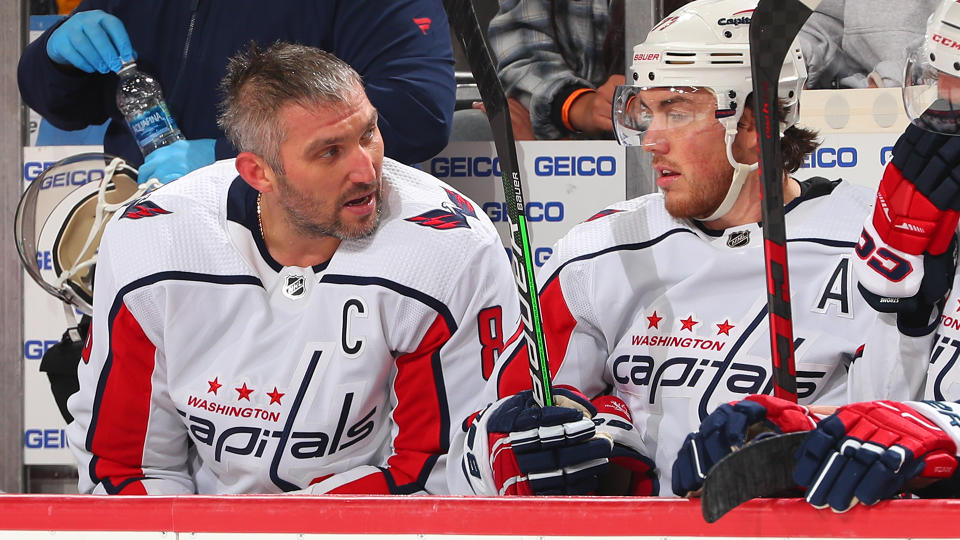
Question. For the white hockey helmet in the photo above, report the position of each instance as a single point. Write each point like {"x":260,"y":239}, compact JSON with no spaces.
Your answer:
{"x":704,"y":45}
{"x":931,"y":84}
{"x":62,"y":213}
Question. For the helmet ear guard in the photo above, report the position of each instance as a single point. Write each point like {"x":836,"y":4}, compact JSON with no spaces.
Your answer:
{"x":63,"y":212}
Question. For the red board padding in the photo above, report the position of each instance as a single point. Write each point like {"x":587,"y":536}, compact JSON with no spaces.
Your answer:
{"x":581,"y":516}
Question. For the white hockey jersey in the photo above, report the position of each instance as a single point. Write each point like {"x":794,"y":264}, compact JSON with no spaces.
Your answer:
{"x":214,"y":369}
{"x":943,"y":377}
{"x":672,"y":317}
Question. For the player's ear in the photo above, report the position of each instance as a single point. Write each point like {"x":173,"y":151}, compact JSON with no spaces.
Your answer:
{"x":746,"y":145}
{"x":255,"y":171}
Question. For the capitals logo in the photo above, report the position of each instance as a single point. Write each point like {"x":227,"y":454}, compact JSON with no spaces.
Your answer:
{"x":452,"y":215}
{"x":603,"y":213}
{"x":143,"y":209}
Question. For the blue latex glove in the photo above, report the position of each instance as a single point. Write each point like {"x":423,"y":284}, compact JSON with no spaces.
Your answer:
{"x":91,"y":41}
{"x":170,"y":162}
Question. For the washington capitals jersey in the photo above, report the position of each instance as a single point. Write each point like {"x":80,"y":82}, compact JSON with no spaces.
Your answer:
{"x":672,"y":317}
{"x":943,"y":378}
{"x":214,"y":369}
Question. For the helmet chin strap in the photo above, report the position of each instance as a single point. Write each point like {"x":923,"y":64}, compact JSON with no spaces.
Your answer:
{"x":740,"y":173}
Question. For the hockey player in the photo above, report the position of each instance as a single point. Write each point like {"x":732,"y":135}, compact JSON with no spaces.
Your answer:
{"x":309,"y":325}
{"x":660,"y":301}
{"x":906,"y":260}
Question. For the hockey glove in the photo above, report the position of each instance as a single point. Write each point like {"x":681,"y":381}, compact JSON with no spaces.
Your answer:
{"x":868,"y":451}
{"x":516,"y":448}
{"x":728,"y":428}
{"x":916,"y":213}
{"x":630,"y":471}
{"x":91,"y":41}
{"x":170,"y":162}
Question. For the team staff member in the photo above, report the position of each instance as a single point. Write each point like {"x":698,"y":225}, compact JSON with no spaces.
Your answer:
{"x":661,"y":301}
{"x":310,"y":324}
{"x":402,"y":49}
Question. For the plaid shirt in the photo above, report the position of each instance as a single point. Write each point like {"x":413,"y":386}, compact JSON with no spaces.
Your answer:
{"x":540,"y":63}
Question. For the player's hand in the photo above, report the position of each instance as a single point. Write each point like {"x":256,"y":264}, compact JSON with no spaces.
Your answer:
{"x":630,"y":471}
{"x":868,"y":451}
{"x":170,"y":162}
{"x":591,"y":112}
{"x":916,"y":213}
{"x":514,"y":447}
{"x":91,"y":41}
{"x":728,"y":428}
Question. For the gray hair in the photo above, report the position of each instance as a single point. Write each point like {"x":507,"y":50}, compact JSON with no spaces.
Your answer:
{"x":259,"y":82}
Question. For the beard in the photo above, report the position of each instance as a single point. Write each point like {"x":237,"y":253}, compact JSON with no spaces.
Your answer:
{"x":701,"y":197}
{"x":303,"y":211}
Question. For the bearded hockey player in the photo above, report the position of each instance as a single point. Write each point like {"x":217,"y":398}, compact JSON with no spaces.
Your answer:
{"x":310,"y":324}
{"x":659,"y":304}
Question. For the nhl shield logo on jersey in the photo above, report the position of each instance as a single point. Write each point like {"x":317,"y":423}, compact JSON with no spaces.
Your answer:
{"x":294,"y":286}
{"x":738,"y":239}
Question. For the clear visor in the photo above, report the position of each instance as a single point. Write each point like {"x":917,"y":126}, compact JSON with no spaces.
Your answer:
{"x":639,"y":110}
{"x":931,"y":97}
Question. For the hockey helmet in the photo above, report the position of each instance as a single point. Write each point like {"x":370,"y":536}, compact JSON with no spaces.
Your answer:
{"x":931,"y":83}
{"x":63,"y":213}
{"x":704,"y":46}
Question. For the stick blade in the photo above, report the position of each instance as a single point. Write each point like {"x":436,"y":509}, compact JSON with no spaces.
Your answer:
{"x":760,"y":469}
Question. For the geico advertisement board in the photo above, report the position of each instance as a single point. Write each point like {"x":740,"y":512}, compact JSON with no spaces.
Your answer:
{"x":565,"y":182}
{"x":855,"y":157}
{"x":44,"y":441}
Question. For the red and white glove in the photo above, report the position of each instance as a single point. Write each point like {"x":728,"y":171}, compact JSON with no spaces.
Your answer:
{"x":915,"y":217}
{"x":866,"y":452}
{"x":514,"y":447}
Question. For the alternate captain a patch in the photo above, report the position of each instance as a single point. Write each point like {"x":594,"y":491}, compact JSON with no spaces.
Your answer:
{"x":143,"y":209}
{"x":453,"y":215}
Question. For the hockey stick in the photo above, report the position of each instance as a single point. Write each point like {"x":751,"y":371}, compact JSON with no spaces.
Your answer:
{"x":773,"y":26}
{"x":467,"y":29}
{"x":760,"y":469}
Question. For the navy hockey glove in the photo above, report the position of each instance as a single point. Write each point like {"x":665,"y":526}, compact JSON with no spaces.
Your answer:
{"x":170,"y":162}
{"x":868,"y":451}
{"x":728,"y":428}
{"x":91,"y":41}
{"x":914,"y":218}
{"x":514,"y":447}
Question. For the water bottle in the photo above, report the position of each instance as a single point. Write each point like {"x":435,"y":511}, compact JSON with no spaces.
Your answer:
{"x":140,"y":100}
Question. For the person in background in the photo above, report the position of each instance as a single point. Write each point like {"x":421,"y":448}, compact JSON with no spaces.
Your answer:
{"x":402,"y":50}
{"x":857,"y":44}
{"x":559,"y":63}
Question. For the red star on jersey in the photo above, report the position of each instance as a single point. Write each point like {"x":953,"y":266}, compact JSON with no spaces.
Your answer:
{"x":958,"y":307}
{"x":688,"y":323}
{"x":275,"y":396}
{"x":654,"y":320}
{"x":214,"y":386}
{"x":724,"y":327}
{"x":244,"y":392}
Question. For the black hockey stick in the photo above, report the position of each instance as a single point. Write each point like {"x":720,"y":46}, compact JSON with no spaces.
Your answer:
{"x":773,"y":26}
{"x":466,"y":27}
{"x":760,"y":469}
